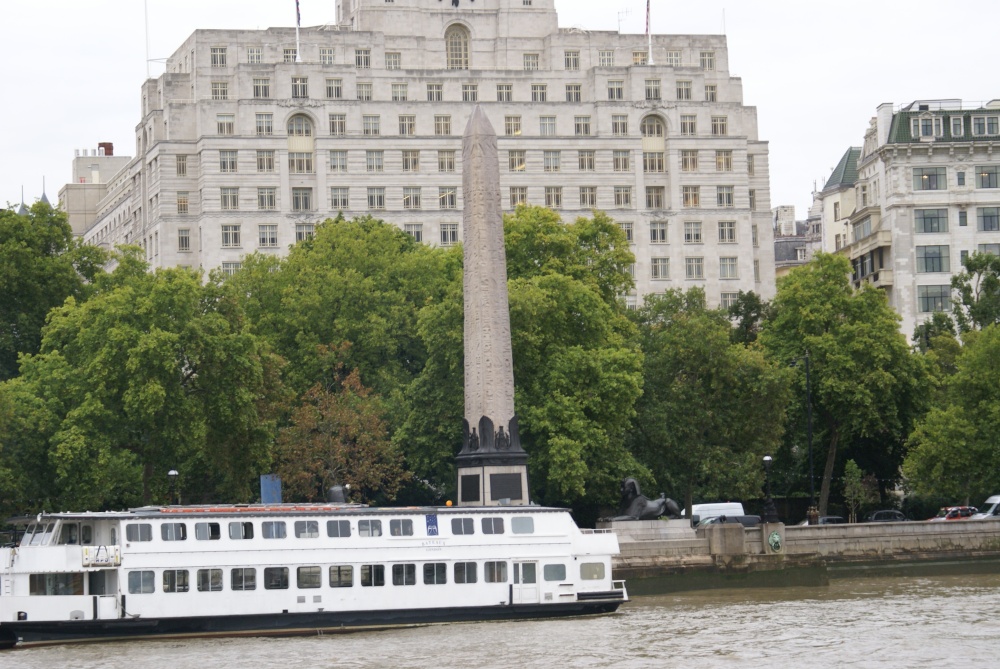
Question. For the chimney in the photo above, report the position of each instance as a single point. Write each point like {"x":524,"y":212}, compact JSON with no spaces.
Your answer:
{"x":106,"y":149}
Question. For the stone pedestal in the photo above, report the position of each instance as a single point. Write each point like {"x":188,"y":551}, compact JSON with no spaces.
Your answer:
{"x":726,"y":539}
{"x":649,"y":530}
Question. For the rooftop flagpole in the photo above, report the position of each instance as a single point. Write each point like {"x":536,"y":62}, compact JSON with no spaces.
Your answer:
{"x":649,"y":35}
{"x":298,"y":24}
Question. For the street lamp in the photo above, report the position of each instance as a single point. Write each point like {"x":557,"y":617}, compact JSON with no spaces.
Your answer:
{"x":770,"y":513}
{"x":172,"y":475}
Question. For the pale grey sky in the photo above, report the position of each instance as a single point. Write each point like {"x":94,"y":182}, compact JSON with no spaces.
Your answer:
{"x":816,"y":71}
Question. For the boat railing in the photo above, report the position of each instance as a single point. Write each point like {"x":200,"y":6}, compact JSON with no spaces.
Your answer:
{"x":587,"y":530}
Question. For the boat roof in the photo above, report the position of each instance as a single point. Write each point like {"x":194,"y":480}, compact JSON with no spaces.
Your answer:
{"x":271,"y":510}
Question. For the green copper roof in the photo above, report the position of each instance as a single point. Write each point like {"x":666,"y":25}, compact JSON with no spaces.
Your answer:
{"x":846,"y":172}
{"x":901,"y":131}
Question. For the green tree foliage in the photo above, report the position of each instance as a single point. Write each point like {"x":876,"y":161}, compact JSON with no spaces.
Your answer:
{"x":867,"y":386}
{"x":747,"y":314}
{"x":41,"y":264}
{"x":955,"y":451}
{"x":148,"y":375}
{"x":978,"y":286}
{"x":859,"y":490}
{"x":710,"y":408}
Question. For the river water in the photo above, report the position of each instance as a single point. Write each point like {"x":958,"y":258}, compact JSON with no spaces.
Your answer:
{"x":946,"y":621}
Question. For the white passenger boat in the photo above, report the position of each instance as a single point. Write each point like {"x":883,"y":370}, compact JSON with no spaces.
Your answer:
{"x":160,"y":572}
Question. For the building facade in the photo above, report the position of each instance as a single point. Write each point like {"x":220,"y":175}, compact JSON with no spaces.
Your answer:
{"x":927,"y":195}
{"x":250,"y":138}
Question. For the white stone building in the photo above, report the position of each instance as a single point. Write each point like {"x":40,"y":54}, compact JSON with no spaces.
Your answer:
{"x":927,"y":194}
{"x":248,"y":140}
{"x":92,"y":170}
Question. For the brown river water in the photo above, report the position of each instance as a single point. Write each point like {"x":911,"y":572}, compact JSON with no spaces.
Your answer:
{"x":943,"y":621}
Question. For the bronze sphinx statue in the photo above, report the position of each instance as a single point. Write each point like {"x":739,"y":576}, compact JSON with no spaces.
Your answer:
{"x":635,"y":506}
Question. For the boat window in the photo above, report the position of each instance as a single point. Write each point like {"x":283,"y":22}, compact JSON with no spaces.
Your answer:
{"x":240,"y":531}
{"x":492,"y":525}
{"x":114,"y":536}
{"x":41,"y":534}
{"x":175,"y":580}
{"x":554,"y":572}
{"x":29,"y":531}
{"x":276,"y":578}
{"x":207,"y":531}
{"x":306,"y":529}
{"x":47,"y":536}
{"x":308,"y":577}
{"x":341,"y":576}
{"x":209,"y":580}
{"x":465,"y":572}
{"x":462,"y":526}
{"x":372,"y":575}
{"x":522,"y":525}
{"x":69,"y":534}
{"x":435,"y":573}
{"x":141,"y":582}
{"x":401,"y":527}
{"x":338,"y":528}
{"x":369,"y":528}
{"x":495,"y":572}
{"x":138,"y":532}
{"x":404,"y":574}
{"x":273,"y":529}
{"x":526,"y":573}
{"x":592,"y":571}
{"x":55,"y":584}
{"x":173,"y":532}
{"x":243,"y":578}
{"x":87,"y":535}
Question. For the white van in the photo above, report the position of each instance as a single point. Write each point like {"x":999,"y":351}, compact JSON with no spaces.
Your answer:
{"x":989,"y":509}
{"x":715,"y":509}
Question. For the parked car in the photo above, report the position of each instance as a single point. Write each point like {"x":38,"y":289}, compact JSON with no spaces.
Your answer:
{"x":826,"y":520}
{"x":955,"y":513}
{"x":887,"y":516}
{"x":991,"y":509}
{"x":745,"y":521}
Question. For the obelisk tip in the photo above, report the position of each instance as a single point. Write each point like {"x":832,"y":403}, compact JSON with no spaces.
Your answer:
{"x":479,"y":124}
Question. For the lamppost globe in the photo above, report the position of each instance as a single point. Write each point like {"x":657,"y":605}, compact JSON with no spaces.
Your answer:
{"x":172,"y":475}
{"x":770,"y":514}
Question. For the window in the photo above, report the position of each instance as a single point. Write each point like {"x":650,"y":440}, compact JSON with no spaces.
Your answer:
{"x":456,"y":40}
{"x":653,"y":89}
{"x":707,"y":59}
{"x":986,"y":177}
{"x":658,"y":232}
{"x":691,"y":196}
{"x":470,"y":92}
{"x":547,"y":126}
{"x":672,"y":59}
{"x":551,"y":160}
{"x":752,"y":194}
{"x":593,"y":571}
{"x":985,"y":125}
{"x":448,"y":199}
{"x":267,"y":238}
{"x":585,"y":161}
{"x":261,"y":88}
{"x":230,"y":198}
{"x":306,"y":529}
{"x":364,"y":91}
{"x":264,"y":124}
{"x":640,"y":57}
{"x":606,"y":58}
{"x":495,"y":572}
{"x":957,"y":127}
{"x":220,"y":90}
{"x":449,"y":234}
{"x":462,"y":526}
{"x":553,"y":197}
{"x":659,"y":268}
{"x":623,"y":196}
{"x":435,"y":92}
{"x":512,"y":125}
{"x":989,"y":219}
{"x":300,"y":87}
{"x":393,"y":60}
{"x":756,"y":271}
{"x":724,"y":196}
{"x":933,"y":259}
{"x":141,"y":582}
{"x":616,"y":89}
{"x":325,"y":56}
{"x":465,"y":572}
{"x":720,"y":126}
{"x":267,"y":198}
{"x":442,"y":124}
{"x":240,"y":530}
{"x":992,"y":249}
{"x":300,"y":126}
{"x":652,"y":161}
{"x":963,"y":219}
{"x":138,"y":532}
{"x":304,"y":231}
{"x":230,"y":268}
{"x":181,"y":164}
{"x":300,"y":163}
{"x":505,"y":92}
{"x":254,"y":55}
{"x":571,"y":59}
{"x":620,"y":160}
{"x":182,"y":205}
{"x":724,"y":161}
{"x":694,"y":268}
{"x":338,"y":124}
{"x":689,"y":125}
{"x":411,"y":160}
{"x":290,"y":55}
{"x":376,"y":199}
{"x":862,"y":228}
{"x":539,"y":92}
{"x":518,"y":195}
{"x":363,"y":59}
{"x":243,"y":578}
{"x":369,"y":528}
{"x":930,"y":178}
{"x":339,"y":199}
{"x":692,"y":232}
{"x":588,"y":197}
{"x":273,"y":529}
{"x":531,"y":61}
{"x":302,"y":199}
{"x":372,"y":575}
{"x":446,"y":161}
{"x":684,"y":90}
{"x":581,"y":126}
{"x":183,"y":240}
{"x":411,"y":197}
{"x":727,"y":232}
{"x":218,"y":54}
{"x":522,"y":525}
{"x":574,"y":92}
{"x":399,"y":92}
{"x":415,"y":230}
{"x":276,"y":578}
{"x":728,"y":268}
{"x":689,"y":160}
{"x":931,"y":220}
{"x":308,"y":577}
{"x":225,"y":124}
{"x":711,"y":93}
{"x":341,"y":576}
{"x":265,"y":161}
{"x":209,"y":580}
{"x":933,"y":298}
{"x":753,"y":235}
{"x":338,"y":161}
{"x":554,"y":572}
{"x":407,"y":125}
{"x":652,"y":126}
{"x":655,"y":196}
{"x":371,"y":125}
{"x":628,"y":229}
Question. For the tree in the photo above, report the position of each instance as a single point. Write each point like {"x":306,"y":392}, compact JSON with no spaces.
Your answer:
{"x":859,"y":490}
{"x":978,"y":286}
{"x":748,"y":313}
{"x":866,"y":383}
{"x":710,"y":408}
{"x":41,"y":264}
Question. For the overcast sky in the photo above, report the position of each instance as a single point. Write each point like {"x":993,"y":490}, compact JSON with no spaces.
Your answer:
{"x":816,"y":71}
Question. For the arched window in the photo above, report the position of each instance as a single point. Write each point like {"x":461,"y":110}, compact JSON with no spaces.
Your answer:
{"x":652,"y":126}
{"x":456,"y":40}
{"x":300,"y":126}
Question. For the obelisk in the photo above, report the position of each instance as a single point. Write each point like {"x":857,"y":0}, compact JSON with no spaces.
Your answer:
{"x":492,"y":466}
